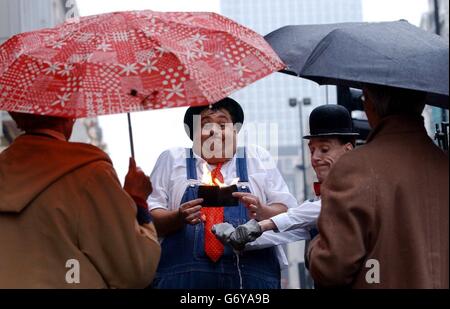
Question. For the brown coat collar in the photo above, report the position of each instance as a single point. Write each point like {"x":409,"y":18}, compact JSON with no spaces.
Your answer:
{"x":398,"y":124}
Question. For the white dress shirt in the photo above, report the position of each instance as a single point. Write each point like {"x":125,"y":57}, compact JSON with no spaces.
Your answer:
{"x":264,"y":180}
{"x":302,"y":217}
{"x":291,"y":226}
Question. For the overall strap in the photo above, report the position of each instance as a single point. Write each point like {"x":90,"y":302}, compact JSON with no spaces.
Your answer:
{"x":241,"y":165}
{"x":191,"y":169}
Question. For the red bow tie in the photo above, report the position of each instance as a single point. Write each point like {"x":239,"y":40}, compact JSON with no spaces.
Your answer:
{"x":317,"y":188}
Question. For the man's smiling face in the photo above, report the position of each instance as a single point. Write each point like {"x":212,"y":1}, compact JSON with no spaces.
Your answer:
{"x":218,"y":136}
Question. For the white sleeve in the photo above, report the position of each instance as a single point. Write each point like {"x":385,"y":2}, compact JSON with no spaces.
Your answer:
{"x":270,"y":239}
{"x":160,"y":179}
{"x":300,"y":217}
{"x":276,"y":189}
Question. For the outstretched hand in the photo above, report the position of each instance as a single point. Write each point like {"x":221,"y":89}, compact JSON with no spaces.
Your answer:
{"x":254,"y":206}
{"x":190,"y":212}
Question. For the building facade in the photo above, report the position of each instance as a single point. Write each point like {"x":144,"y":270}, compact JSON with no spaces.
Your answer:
{"x":429,"y":21}
{"x":267,"y":101}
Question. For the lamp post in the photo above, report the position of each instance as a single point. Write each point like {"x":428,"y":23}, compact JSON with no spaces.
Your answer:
{"x":437,"y":23}
{"x":293,"y":102}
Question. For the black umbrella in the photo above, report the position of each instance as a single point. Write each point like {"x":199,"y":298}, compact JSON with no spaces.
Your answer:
{"x":294,"y":44}
{"x":395,"y":54}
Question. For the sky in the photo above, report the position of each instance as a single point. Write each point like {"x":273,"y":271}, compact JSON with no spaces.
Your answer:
{"x":158,"y":130}
{"x":389,"y":10}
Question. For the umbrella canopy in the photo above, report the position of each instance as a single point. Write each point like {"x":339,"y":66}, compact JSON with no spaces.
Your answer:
{"x":130,"y":61}
{"x":395,"y":54}
{"x":295,"y":43}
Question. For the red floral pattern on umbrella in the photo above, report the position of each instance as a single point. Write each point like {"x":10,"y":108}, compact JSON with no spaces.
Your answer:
{"x":130,"y":61}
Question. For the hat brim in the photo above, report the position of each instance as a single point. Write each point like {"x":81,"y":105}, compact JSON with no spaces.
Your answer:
{"x":330,"y":135}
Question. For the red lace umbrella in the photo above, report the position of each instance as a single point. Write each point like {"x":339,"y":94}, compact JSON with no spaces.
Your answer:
{"x":130,"y":61}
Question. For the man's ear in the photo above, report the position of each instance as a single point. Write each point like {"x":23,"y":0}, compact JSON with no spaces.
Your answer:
{"x":348,"y":147}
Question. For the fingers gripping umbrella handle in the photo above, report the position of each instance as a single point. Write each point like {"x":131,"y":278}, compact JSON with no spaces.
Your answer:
{"x":130,"y":131}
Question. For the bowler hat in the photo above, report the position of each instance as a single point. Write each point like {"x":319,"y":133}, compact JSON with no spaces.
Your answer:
{"x":330,"y":120}
{"x":233,"y":107}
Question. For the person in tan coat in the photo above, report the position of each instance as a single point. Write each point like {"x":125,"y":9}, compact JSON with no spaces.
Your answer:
{"x":65,"y":221}
{"x":385,"y":205}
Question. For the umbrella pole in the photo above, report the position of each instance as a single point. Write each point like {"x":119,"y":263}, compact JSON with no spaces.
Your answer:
{"x":130,"y":131}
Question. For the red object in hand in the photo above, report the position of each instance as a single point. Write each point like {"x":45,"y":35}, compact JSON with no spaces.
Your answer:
{"x":136,"y":182}
{"x":139,"y":187}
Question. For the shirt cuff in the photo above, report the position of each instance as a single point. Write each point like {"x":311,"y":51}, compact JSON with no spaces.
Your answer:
{"x":282,"y":221}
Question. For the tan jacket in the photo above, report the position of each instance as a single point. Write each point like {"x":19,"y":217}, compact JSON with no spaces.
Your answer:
{"x":387,"y":201}
{"x":61,"y":201}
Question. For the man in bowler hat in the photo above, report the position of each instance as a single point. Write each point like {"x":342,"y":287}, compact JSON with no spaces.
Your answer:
{"x":384,"y":218}
{"x":331,"y":136}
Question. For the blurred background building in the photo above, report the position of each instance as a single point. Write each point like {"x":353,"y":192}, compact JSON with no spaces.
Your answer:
{"x":18,"y":16}
{"x":287,"y":100}
{"x":436,"y":20}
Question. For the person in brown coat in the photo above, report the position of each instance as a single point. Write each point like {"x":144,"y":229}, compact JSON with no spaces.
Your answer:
{"x":65,"y":221}
{"x":385,"y":205}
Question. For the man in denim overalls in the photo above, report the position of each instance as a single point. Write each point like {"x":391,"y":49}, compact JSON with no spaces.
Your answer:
{"x":191,"y":256}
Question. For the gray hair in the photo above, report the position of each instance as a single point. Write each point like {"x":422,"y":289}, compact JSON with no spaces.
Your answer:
{"x":389,"y":101}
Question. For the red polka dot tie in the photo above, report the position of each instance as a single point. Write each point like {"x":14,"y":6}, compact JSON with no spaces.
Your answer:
{"x":214,"y":215}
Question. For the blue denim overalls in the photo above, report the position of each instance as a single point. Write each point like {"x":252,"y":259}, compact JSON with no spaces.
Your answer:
{"x":184,"y":263}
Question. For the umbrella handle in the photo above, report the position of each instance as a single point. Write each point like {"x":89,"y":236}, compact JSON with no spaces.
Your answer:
{"x":130,"y":131}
